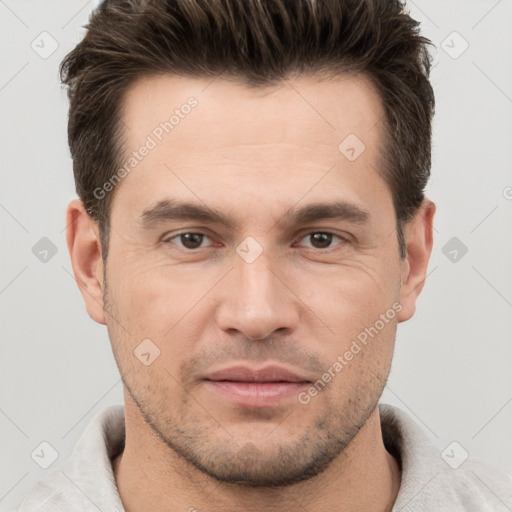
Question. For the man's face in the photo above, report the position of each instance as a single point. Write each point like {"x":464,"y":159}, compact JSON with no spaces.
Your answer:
{"x":272,"y":285}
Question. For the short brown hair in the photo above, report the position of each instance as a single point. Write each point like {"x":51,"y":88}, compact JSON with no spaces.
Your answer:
{"x":259,"y":42}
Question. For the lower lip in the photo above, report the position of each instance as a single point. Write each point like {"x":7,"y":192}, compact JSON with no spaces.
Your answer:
{"x":256,"y":394}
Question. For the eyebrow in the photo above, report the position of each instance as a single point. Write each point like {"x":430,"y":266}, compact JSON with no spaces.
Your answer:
{"x":167,"y":209}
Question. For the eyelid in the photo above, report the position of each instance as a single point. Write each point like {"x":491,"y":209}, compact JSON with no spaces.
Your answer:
{"x":170,"y":236}
{"x":343,"y":238}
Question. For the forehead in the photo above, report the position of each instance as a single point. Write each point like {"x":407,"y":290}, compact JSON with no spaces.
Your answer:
{"x":214,"y":137}
{"x":335,"y":105}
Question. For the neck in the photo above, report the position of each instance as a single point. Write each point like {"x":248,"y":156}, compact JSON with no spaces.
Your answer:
{"x":151,"y":476}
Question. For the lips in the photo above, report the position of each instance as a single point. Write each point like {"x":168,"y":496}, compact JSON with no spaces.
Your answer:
{"x":262,"y":375}
{"x":243,"y":386}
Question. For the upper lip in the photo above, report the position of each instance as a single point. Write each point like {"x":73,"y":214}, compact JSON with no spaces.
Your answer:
{"x":241,"y":373}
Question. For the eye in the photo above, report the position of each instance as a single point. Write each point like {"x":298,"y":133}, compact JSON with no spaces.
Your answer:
{"x":322,"y":239}
{"x":188,"y":240}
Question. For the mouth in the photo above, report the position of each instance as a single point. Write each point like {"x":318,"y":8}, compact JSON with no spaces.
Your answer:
{"x":248,"y":387}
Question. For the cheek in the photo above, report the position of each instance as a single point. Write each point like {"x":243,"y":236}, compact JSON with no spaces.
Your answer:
{"x":163,"y":304}
{"x":351,"y":295}
{"x":359,"y":307}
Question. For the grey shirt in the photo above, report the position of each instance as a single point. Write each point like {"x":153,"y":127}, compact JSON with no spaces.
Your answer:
{"x":431,"y":480}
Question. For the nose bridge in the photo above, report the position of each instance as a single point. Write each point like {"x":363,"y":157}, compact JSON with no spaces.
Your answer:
{"x":258,"y":282}
{"x":256,"y":301}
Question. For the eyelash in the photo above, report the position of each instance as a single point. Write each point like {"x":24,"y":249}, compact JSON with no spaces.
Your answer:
{"x":342,"y":239}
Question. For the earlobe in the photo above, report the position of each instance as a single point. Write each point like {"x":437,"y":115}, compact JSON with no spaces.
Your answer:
{"x":419,"y":241}
{"x":83,"y":240}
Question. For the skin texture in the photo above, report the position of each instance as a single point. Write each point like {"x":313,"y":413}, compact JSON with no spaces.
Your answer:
{"x":253,"y":154}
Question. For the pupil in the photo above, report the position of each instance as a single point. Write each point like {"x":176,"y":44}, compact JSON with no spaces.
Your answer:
{"x":191,"y":240}
{"x":321,"y":240}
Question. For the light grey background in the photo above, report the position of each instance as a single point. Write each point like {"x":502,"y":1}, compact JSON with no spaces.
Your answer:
{"x":453,"y":364}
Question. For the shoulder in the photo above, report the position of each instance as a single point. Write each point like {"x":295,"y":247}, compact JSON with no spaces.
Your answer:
{"x":434,"y":479}
{"x":85,"y":481}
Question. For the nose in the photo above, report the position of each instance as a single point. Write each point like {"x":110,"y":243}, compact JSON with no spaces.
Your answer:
{"x":257,"y":301}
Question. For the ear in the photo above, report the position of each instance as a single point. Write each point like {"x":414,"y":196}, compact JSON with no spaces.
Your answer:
{"x":419,"y":239}
{"x":83,"y":239}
